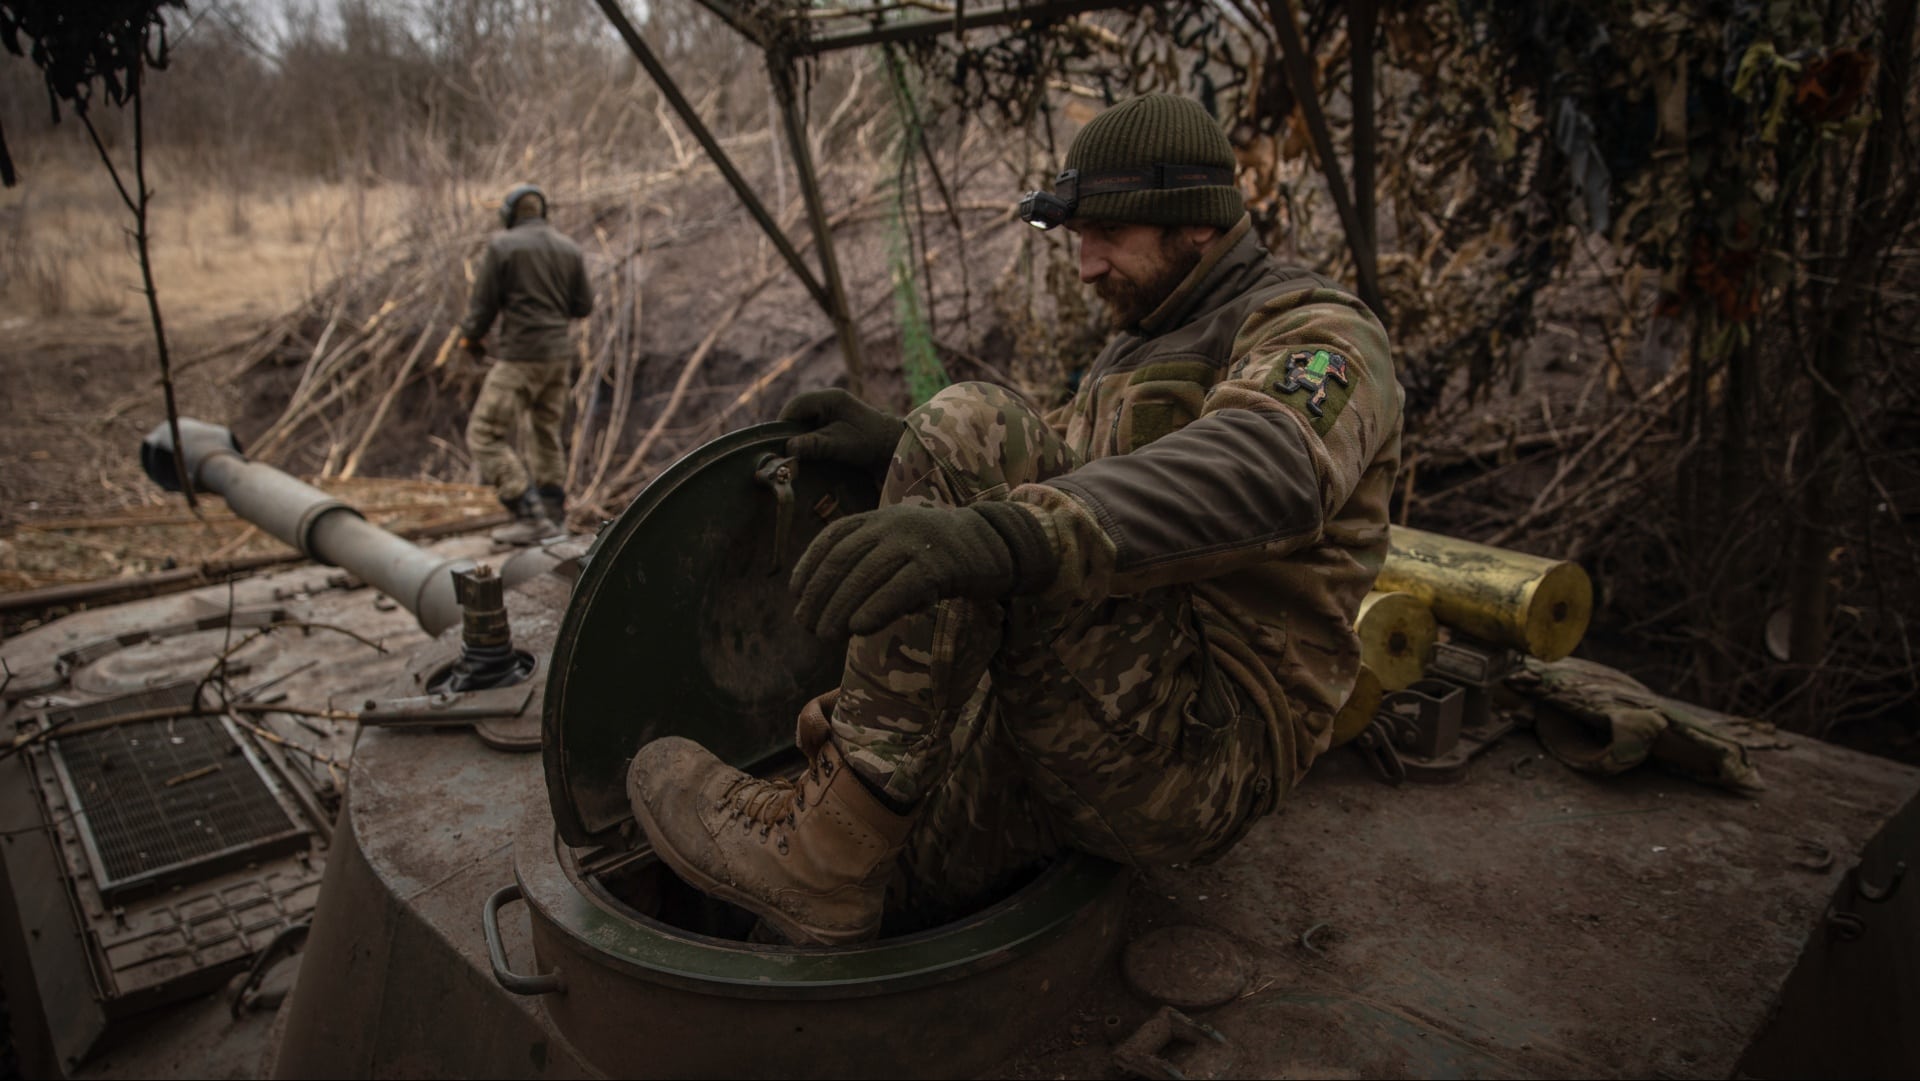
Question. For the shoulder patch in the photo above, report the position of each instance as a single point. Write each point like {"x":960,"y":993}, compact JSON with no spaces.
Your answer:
{"x":1320,"y":381}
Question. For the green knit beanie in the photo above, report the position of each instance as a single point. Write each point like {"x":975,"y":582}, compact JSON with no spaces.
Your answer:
{"x":1156,"y":129}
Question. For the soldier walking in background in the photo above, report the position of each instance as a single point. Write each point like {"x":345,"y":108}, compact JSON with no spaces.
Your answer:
{"x":1123,"y":627}
{"x":534,"y":281}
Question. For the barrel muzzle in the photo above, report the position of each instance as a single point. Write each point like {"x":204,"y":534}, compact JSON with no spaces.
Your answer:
{"x":320,"y":526}
{"x":163,"y":463}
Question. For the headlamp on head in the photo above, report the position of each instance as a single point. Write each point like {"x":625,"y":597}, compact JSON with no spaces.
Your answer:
{"x":1047,"y":209}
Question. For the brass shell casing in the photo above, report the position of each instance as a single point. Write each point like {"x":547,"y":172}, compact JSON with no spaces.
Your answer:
{"x":1362,"y":704}
{"x":1508,"y":598}
{"x":1397,"y":632}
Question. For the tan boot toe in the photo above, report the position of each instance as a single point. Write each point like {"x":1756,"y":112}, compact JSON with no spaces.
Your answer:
{"x":811,"y":857}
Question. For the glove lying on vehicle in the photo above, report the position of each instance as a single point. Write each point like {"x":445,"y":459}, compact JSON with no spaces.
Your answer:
{"x":845,"y":429}
{"x":867,"y":570}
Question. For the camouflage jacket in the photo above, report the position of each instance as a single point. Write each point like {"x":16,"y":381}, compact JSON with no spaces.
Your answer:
{"x":1242,"y":445}
{"x":533,"y":280}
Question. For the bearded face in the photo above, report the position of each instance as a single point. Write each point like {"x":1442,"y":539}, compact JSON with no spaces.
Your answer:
{"x":1139,"y":267}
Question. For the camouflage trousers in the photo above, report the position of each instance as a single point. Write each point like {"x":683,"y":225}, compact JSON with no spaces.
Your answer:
{"x":519,"y":392}
{"x":1019,"y":730}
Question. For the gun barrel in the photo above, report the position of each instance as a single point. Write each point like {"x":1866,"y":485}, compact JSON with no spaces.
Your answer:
{"x":323,"y":528}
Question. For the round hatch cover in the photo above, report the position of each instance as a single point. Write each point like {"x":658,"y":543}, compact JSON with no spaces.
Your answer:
{"x":681,"y":622}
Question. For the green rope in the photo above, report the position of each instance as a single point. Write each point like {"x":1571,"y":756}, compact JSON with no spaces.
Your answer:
{"x":919,"y":358}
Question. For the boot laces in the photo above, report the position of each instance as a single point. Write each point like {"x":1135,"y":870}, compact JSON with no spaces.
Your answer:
{"x":762,"y":803}
{"x":768,"y":803}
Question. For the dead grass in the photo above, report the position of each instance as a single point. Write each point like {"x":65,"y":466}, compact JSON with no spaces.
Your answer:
{"x":222,"y":250}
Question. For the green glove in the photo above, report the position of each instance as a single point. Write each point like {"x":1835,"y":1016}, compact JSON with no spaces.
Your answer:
{"x":867,"y":570}
{"x":845,"y":429}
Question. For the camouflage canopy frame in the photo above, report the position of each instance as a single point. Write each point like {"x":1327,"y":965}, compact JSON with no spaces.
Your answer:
{"x":789,"y":31}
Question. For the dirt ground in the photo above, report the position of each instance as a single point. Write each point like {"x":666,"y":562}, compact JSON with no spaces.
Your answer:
{"x":78,"y":356}
{"x":77,"y":353}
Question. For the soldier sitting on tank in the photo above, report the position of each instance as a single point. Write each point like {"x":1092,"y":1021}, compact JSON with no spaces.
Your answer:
{"x":1123,"y":627}
{"x":534,"y":281}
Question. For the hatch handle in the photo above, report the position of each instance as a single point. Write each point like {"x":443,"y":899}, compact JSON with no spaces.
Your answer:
{"x":1879,"y":895}
{"x":546,"y":983}
{"x":1143,"y":1054}
{"x":777,"y":473}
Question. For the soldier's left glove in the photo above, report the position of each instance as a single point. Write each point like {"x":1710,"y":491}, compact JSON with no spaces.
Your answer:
{"x":473,"y":345}
{"x":843,"y":429}
{"x":867,"y":570}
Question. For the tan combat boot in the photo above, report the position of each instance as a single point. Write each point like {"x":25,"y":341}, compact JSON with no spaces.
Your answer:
{"x":811,"y":857}
{"x":530,"y":522}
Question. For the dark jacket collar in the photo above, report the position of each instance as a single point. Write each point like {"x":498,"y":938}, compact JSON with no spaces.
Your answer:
{"x":1228,"y":268}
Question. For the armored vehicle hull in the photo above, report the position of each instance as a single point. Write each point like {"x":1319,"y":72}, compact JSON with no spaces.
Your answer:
{"x":1517,"y":919}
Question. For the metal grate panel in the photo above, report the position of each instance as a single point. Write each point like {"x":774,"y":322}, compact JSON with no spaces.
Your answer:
{"x":157,"y":798}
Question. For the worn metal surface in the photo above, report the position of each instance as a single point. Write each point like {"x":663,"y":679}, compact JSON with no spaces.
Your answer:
{"x":1539,"y":606}
{"x":1528,"y":921}
{"x":642,"y":998}
{"x":682,"y":624}
{"x":53,"y":1004}
{"x":1187,"y":967}
{"x":322,"y":527}
{"x":395,"y":981}
{"x":90,"y":972}
{"x":162,"y":583}
{"x":1848,"y":1008}
{"x":1397,"y":632}
{"x":157,"y":801}
{"x":506,"y":717}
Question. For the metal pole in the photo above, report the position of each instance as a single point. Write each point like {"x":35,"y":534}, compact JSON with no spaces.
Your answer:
{"x":780,"y":69}
{"x":739,"y":184}
{"x":740,"y":21}
{"x":1363,"y":17}
{"x":961,"y":20}
{"x":1293,"y":51}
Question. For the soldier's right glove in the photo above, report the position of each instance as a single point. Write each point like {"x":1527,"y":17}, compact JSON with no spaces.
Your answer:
{"x":866,"y":570}
{"x":845,"y":429}
{"x":474,"y":346}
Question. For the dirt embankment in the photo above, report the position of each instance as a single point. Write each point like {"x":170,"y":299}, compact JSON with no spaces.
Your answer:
{"x":77,"y":352}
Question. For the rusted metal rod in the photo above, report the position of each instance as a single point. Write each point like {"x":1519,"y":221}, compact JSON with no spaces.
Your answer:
{"x":671,"y":91}
{"x":915,"y":29}
{"x":780,"y":69}
{"x":742,"y":22}
{"x":1293,"y":54}
{"x":1363,"y":19}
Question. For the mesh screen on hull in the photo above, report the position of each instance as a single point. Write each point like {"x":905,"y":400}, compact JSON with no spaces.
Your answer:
{"x":160,"y":797}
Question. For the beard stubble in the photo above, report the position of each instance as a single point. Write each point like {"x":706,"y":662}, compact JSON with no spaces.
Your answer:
{"x":1129,"y":301}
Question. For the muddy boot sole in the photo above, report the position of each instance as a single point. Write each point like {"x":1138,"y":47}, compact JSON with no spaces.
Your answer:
{"x":513,"y":536}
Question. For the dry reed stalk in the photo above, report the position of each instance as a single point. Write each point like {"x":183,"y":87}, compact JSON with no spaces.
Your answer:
{"x":393,"y":391}
{"x":1647,"y":416}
